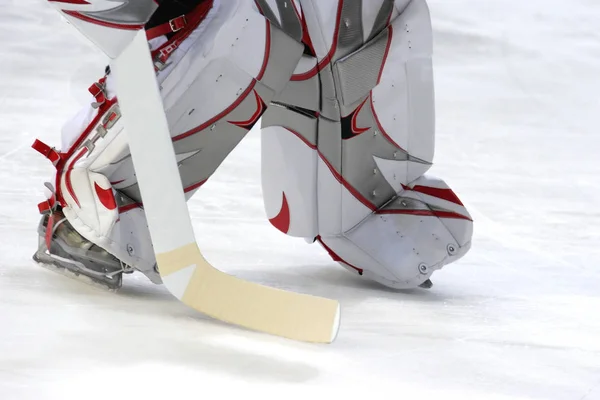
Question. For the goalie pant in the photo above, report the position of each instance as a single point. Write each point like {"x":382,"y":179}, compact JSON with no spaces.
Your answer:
{"x":345,"y":92}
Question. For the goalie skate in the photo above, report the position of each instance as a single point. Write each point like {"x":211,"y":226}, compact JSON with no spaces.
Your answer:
{"x":65,"y":251}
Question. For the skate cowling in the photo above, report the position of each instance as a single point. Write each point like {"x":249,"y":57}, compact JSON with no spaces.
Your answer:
{"x":117,"y":28}
{"x":62,"y":249}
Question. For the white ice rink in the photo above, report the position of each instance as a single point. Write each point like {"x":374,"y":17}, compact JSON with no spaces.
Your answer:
{"x":518,"y":116}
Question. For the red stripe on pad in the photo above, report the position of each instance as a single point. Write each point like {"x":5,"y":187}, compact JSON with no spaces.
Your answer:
{"x":79,"y":2}
{"x":337,"y":258}
{"x":217,"y":117}
{"x":68,"y":175}
{"x":425,"y":213}
{"x":444,"y":194}
{"x":336,"y":174}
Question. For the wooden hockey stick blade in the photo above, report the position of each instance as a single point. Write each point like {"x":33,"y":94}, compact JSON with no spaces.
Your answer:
{"x":185,"y":272}
{"x":198,"y":284}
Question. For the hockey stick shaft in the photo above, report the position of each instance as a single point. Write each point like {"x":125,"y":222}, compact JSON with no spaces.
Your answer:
{"x":185,"y":272}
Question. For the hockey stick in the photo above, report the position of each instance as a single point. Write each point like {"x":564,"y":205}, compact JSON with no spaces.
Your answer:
{"x":185,"y":272}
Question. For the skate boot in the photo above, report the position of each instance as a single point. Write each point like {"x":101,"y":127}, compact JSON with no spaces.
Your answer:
{"x":65,"y":251}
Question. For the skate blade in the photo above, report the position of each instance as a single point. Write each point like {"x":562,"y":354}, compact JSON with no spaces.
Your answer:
{"x":111,"y":286}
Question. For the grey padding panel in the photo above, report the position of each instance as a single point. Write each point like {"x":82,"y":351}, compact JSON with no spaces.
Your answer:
{"x":356,"y":74}
{"x":267,"y":12}
{"x":303,"y":94}
{"x":290,"y":22}
{"x":383,"y":16}
{"x":330,"y":142}
{"x":329,"y":103}
{"x":284,"y":55}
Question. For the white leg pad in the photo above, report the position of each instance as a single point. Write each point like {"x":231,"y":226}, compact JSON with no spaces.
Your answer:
{"x":289,"y":177}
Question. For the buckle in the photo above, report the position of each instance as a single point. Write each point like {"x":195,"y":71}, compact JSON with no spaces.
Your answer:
{"x":159,"y":65}
{"x":178,"y":23}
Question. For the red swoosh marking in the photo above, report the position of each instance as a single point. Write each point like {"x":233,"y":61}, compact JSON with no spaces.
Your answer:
{"x":261,"y":107}
{"x":282,"y":220}
{"x":106,"y":197}
{"x":355,"y":129}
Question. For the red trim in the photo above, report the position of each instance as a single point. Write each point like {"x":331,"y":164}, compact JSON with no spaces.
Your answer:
{"x":106,"y":197}
{"x":267,"y":45}
{"x":49,"y":229}
{"x":282,"y":220}
{"x":85,"y":18}
{"x":218,"y":116}
{"x":192,"y":20}
{"x":347,"y":185}
{"x":327,"y":59}
{"x":129,"y":207}
{"x":43,"y":207}
{"x":450,"y":215}
{"x":296,"y":11}
{"x":425,"y":213}
{"x":260,"y":10}
{"x":355,"y":129}
{"x":383,"y":132}
{"x":306,"y":142}
{"x":101,"y":112}
{"x":444,"y":194}
{"x":267,"y":55}
{"x":337,"y":258}
{"x":117,"y":182}
{"x":261,"y":107}
{"x":79,"y":2}
{"x":194,"y":186}
{"x":387,"y":50}
{"x":64,"y":157}
{"x":48,"y":205}
{"x":68,"y":175}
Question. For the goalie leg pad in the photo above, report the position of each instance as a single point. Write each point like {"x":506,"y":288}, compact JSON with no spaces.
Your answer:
{"x":361,"y":107}
{"x":216,"y":84}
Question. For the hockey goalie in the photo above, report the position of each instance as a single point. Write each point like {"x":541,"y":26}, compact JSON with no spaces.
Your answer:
{"x":344,"y":93}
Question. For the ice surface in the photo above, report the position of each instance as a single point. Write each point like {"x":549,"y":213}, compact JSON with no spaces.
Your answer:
{"x":519,"y":318}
